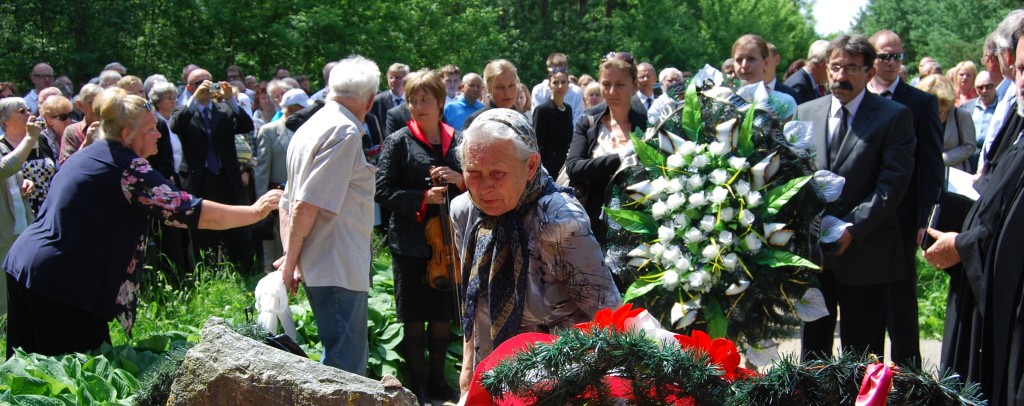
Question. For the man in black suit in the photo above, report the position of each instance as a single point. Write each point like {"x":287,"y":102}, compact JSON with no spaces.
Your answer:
{"x":398,"y":117}
{"x":207,"y":131}
{"x":926,"y":183}
{"x":395,"y":96}
{"x":771,"y":65}
{"x":644,"y":97}
{"x":869,"y":141}
{"x":809,"y":81}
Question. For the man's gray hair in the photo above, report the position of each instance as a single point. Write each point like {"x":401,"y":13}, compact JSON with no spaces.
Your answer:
{"x":116,"y":66}
{"x":398,"y":67}
{"x":487,"y":132}
{"x":8,"y":106}
{"x":668,"y":71}
{"x":89,"y":92}
{"x":354,"y":77}
{"x":161,"y":89}
{"x":109,"y":78}
{"x":147,"y":84}
{"x":469,"y":76}
{"x":1004,"y":31}
{"x":818,"y":52}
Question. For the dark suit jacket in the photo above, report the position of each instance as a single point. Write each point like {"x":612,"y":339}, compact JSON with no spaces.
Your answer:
{"x":163,"y":161}
{"x":928,"y":178}
{"x":802,"y":82}
{"x":226,"y":123}
{"x":877,"y":158}
{"x":381,"y":104}
{"x":397,"y":118}
{"x":782,"y":88}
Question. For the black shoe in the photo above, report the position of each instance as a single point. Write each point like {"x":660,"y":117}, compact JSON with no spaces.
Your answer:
{"x":421,"y":396}
{"x":444,"y":392}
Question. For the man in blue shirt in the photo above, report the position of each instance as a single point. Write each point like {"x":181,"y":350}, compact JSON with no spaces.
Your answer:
{"x":982,"y":109}
{"x":456,"y":112}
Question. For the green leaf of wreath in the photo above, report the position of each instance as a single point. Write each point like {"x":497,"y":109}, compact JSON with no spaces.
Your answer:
{"x":746,"y":144}
{"x":635,"y":221}
{"x":639,"y":288}
{"x":779,"y":196}
{"x":718,"y":326}
{"x":651,"y":158}
{"x":691,"y":113}
{"x":777,"y":258}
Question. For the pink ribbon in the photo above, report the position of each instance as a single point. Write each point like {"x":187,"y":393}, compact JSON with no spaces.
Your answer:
{"x":874,"y":389}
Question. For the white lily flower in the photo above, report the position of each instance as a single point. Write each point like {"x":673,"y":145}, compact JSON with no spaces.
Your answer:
{"x":718,"y":148}
{"x":675,"y":201}
{"x":799,"y":133}
{"x":644,"y":322}
{"x":738,"y":163}
{"x":688,"y":319}
{"x":730,"y":260}
{"x":708,"y":223}
{"x":675,"y":313}
{"x":746,"y":218}
{"x":670,"y":279}
{"x":762,"y":353}
{"x":666,"y":338}
{"x":752,"y":243}
{"x":776,"y":234}
{"x":658,"y":209}
{"x":830,"y":185}
{"x":832,"y":229}
{"x":672,"y":254}
{"x":719,"y":176}
{"x":665,"y":235}
{"x":727,"y":131}
{"x":699,"y":161}
{"x":754,"y":199}
{"x":741,"y":187}
{"x":697,"y":199}
{"x":675,"y":161}
{"x":765,"y":170}
{"x":718,"y":195}
{"x":657,"y":249}
{"x":670,"y":143}
{"x":812,"y":306}
{"x":682,"y":264}
{"x":641,"y":251}
{"x":693,"y":235}
{"x":636,"y":262}
{"x":640,"y":190}
{"x":710,"y":252}
{"x":738,"y":287}
{"x":727,"y":214}
{"x":726,"y":238}
{"x":695,"y":182}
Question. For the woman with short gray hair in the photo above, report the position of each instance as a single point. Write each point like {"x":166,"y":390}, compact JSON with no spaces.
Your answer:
{"x":40,"y":164}
{"x":529,"y":260}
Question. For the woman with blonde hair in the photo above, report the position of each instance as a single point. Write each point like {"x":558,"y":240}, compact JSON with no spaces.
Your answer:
{"x":963,"y":79}
{"x":78,"y":266}
{"x":501,"y":85}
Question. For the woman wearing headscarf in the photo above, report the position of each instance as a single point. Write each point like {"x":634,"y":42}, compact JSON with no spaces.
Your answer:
{"x":78,"y":265}
{"x":530,"y":262}
{"x":421,"y":150}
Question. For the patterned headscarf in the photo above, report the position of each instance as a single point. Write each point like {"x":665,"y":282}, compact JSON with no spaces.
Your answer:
{"x":497,"y":254}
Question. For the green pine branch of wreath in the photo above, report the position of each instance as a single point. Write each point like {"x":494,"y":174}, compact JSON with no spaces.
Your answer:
{"x":574,"y":370}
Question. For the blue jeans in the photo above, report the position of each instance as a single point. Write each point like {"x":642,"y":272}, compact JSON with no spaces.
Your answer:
{"x":341,"y":318}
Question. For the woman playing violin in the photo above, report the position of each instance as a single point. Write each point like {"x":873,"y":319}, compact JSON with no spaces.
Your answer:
{"x":413,"y":160}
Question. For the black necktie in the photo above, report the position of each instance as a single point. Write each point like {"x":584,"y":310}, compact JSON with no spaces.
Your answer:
{"x":887,"y":94}
{"x":212,"y":162}
{"x":838,"y":135}
{"x":648,"y":102}
{"x":398,"y":101}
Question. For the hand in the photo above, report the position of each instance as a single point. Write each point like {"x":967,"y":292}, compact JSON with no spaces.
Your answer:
{"x":226,"y":90}
{"x":291,"y":274}
{"x":245,"y":181}
{"x":435,"y":195}
{"x":920,"y":236}
{"x":26,"y":187}
{"x":844,"y":242}
{"x":942,"y":253}
{"x":91,"y":134}
{"x":33,"y":127}
{"x":465,"y":378}
{"x":268,"y":202}
{"x":448,"y":175}
{"x":202,"y":92}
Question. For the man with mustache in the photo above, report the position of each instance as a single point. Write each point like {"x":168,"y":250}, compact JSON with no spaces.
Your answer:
{"x":926,"y":181}
{"x":868,"y":140}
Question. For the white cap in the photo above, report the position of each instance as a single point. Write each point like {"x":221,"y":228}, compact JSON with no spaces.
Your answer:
{"x":293,"y":97}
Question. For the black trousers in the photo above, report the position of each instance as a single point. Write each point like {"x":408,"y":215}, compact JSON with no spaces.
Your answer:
{"x":237,"y":241}
{"x":40,"y":325}
{"x":861,"y":327}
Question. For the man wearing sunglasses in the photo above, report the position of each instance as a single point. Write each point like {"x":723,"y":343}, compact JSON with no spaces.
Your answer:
{"x":42,"y":78}
{"x":926,"y":182}
{"x":982,"y":109}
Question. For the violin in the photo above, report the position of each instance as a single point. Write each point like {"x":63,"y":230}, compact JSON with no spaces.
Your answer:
{"x":444,"y":269}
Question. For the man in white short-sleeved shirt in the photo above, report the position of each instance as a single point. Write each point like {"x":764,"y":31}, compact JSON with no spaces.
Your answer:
{"x":327,"y":214}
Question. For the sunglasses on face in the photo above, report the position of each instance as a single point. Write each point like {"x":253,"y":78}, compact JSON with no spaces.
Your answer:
{"x":62,"y":117}
{"x":890,"y":57}
{"x":985,"y":87}
{"x":625,"y":56}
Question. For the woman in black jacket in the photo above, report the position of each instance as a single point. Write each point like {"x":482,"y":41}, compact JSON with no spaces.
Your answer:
{"x":602,"y":138}
{"x":552,"y":121}
{"x":419,"y":152}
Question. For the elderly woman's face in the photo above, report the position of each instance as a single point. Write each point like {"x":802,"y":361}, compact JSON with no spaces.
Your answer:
{"x":141,"y":138}
{"x":495,"y":176}
{"x":424,"y":108}
{"x":18,"y":119}
{"x":166,"y":102}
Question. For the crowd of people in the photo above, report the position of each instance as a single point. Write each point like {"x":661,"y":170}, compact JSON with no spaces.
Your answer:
{"x":346,"y":158}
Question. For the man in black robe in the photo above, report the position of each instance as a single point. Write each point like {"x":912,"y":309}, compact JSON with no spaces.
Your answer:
{"x":984,"y":339}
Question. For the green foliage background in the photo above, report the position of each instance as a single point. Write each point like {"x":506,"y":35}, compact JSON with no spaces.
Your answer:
{"x":161,"y":36}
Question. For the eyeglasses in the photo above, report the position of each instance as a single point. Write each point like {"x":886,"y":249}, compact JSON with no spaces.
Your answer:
{"x":985,"y":87}
{"x":625,"y":56}
{"x":42,"y":76}
{"x":148,"y":106}
{"x":558,"y":69}
{"x":62,"y":117}
{"x":890,"y":57}
{"x":850,"y":69}
{"x":197,"y":83}
{"x":23,"y":110}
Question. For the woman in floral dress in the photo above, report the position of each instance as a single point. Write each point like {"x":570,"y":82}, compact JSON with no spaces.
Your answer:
{"x":78,"y":265}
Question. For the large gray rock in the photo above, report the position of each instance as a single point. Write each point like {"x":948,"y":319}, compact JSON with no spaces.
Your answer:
{"x":226,"y":368}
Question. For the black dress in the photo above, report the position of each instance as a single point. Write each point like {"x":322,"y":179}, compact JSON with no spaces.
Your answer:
{"x":403,"y":179}
{"x":554,"y":133}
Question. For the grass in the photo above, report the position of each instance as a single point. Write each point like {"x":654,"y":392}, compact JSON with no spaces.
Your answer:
{"x":932,"y":287}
